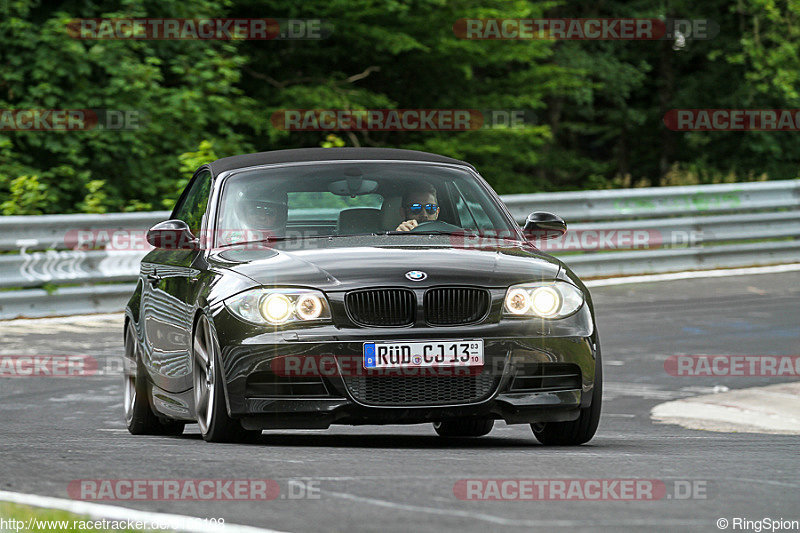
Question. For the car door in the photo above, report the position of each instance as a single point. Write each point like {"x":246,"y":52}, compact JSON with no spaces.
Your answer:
{"x":169,"y":295}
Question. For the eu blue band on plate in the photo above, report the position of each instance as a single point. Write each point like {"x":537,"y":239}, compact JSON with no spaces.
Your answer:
{"x":369,"y":355}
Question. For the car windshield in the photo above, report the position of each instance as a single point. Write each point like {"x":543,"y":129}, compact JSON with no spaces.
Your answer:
{"x":356,"y":198}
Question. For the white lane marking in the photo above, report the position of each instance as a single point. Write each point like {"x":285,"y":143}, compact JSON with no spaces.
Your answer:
{"x":499,"y":520}
{"x":115,"y":318}
{"x":706,"y":390}
{"x":764,"y":481}
{"x":172,"y":522}
{"x":694,"y":274}
{"x":648,"y":391}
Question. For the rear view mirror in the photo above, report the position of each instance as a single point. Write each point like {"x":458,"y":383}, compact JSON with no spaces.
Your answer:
{"x":172,"y":235}
{"x":541,"y":225}
{"x":352,"y":187}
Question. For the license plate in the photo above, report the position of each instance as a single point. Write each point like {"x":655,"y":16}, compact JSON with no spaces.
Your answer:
{"x":423,"y":354}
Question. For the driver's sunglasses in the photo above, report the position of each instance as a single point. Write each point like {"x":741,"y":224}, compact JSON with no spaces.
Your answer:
{"x":416,"y":209}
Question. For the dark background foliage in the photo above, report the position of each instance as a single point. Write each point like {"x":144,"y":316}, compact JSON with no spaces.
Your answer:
{"x":598,"y":104}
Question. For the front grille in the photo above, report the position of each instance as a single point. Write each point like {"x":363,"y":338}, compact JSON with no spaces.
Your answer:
{"x":455,"y":306}
{"x":382,"y":307}
{"x":547,"y":377}
{"x":418,"y":391}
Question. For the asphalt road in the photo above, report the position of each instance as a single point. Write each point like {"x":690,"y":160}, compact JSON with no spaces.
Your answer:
{"x":401,"y":478}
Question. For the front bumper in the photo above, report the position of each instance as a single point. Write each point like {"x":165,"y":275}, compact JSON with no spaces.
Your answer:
{"x":513,"y":350}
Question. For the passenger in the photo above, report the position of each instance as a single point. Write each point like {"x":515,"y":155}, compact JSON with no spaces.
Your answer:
{"x":258,"y":218}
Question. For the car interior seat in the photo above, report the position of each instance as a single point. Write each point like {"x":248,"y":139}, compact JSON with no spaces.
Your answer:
{"x":359,"y":220}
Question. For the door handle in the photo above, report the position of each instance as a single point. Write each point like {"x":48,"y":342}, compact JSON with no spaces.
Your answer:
{"x":153,"y":278}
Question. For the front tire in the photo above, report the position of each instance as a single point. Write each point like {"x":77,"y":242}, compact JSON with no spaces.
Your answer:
{"x":464,"y":427}
{"x":577,"y":431}
{"x":209,"y":395}
{"x":139,"y":417}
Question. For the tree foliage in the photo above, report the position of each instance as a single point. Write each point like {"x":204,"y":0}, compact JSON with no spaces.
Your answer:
{"x":599,"y":104}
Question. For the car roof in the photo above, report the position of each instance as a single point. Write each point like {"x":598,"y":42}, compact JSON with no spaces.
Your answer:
{"x":327,"y":154}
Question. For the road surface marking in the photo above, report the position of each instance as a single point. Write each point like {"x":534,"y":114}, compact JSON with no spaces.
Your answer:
{"x":694,"y":274}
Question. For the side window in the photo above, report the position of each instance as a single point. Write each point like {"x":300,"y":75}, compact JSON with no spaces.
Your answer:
{"x":192,"y":206}
{"x":466,"y":220}
{"x":470,"y":211}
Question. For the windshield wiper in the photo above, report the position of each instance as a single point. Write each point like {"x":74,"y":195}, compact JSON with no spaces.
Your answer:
{"x":467,"y":235}
{"x":279,"y":238}
{"x":432,"y":232}
{"x":268,"y":240}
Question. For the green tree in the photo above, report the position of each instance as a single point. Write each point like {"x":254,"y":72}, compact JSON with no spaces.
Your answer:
{"x":183,"y":91}
{"x":599,"y":104}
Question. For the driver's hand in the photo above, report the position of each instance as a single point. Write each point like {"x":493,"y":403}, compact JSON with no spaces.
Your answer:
{"x":408,"y":225}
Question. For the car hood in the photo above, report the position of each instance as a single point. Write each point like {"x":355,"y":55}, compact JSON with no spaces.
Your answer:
{"x":335,"y":265}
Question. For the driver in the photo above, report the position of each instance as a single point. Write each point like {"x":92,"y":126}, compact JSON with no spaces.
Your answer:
{"x":419,"y":205}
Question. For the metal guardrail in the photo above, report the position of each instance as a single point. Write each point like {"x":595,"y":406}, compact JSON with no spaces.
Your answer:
{"x":618,"y":204}
{"x":679,"y":228}
{"x":42,"y":232}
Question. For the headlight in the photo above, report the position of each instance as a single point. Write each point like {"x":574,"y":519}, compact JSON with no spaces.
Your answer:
{"x":280,"y":306}
{"x":309,"y":306}
{"x":550,"y":299}
{"x":518,"y":301}
{"x":276,"y":308}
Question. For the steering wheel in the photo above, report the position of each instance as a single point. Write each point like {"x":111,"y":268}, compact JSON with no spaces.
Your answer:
{"x":436,"y":225}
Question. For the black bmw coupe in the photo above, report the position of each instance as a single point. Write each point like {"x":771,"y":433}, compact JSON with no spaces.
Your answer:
{"x":304,"y":288}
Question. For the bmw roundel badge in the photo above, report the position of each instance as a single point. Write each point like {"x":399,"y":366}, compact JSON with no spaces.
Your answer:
{"x":416,"y":275}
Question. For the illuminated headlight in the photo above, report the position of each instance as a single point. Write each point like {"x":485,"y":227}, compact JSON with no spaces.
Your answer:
{"x":551,"y":299}
{"x":518,"y":301}
{"x":276,"y":308}
{"x":309,"y":306}
{"x":280,"y":306}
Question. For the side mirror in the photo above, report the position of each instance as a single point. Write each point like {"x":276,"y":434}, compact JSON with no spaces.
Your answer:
{"x":541,"y":225}
{"x":172,"y":235}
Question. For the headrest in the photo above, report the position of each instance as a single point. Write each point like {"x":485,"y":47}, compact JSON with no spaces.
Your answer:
{"x":358,"y":220}
{"x":392,"y":213}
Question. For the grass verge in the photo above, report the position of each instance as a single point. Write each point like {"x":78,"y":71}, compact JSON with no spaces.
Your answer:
{"x":16,"y":518}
